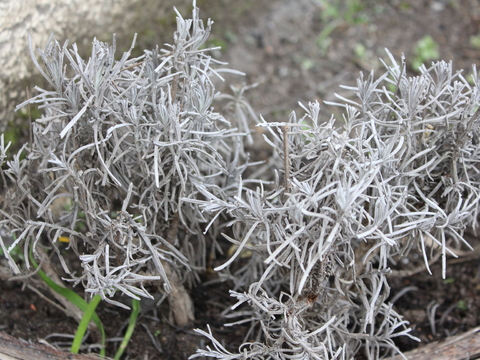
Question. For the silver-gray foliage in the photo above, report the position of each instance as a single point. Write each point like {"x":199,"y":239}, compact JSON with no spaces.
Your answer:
{"x":147,"y":167}
{"x":401,"y":174}
{"x":120,"y":144}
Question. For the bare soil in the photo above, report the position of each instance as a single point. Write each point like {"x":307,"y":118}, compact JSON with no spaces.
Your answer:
{"x":275,"y":43}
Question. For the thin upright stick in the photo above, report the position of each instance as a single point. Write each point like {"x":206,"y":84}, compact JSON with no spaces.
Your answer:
{"x":286,"y":159}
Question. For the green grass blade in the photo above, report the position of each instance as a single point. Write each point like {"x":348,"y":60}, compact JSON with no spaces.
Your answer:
{"x":74,"y":298}
{"x":130,"y":328}
{"x":83,"y":326}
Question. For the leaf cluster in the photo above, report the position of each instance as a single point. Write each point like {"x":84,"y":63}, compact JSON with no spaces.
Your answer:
{"x":119,"y":146}
{"x":400,"y":175}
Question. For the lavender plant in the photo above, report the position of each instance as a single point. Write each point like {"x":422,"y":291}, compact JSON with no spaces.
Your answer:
{"x":132,"y":164}
{"x":120,"y":145}
{"x":400,"y":175}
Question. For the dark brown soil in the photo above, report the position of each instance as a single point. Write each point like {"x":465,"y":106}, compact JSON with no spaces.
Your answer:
{"x":275,"y":43}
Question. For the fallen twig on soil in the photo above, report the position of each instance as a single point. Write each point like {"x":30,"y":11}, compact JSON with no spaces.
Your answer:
{"x":460,"y":347}
{"x":12,"y":348}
